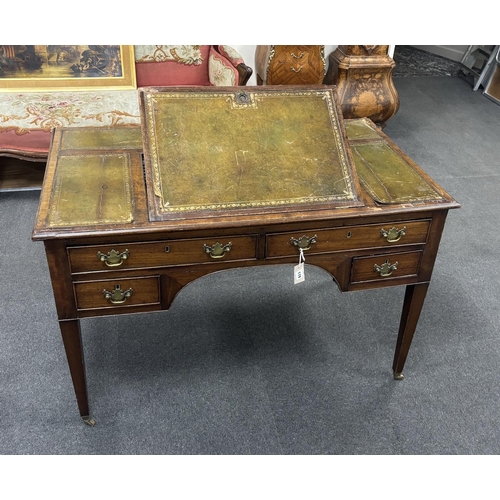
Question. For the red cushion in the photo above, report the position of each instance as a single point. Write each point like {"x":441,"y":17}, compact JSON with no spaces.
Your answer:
{"x":172,"y":73}
{"x":34,"y":141}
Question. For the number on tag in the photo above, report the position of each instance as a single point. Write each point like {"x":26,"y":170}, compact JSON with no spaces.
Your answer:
{"x":299,"y":274}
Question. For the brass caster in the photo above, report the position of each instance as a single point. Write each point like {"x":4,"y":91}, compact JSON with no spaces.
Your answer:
{"x":398,"y":376}
{"x":88,"y":421}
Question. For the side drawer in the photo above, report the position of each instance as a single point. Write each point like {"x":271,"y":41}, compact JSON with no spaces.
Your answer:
{"x":350,"y":238}
{"x":385,"y":267}
{"x":127,"y":292}
{"x":108,"y":257}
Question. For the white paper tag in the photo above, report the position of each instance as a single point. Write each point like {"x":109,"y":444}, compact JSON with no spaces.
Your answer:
{"x":299,"y":273}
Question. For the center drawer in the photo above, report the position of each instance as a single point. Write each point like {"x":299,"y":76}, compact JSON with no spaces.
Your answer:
{"x":161,"y":253}
{"x":348,"y":238}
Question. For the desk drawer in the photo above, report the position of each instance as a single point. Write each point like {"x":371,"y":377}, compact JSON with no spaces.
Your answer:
{"x":349,"y":238}
{"x":385,"y":267}
{"x":126,"y":292}
{"x":161,"y":253}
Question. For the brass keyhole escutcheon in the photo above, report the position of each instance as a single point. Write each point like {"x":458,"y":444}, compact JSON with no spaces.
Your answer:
{"x":304,"y":242}
{"x":217,"y":251}
{"x":386,"y":269}
{"x":117,"y":296}
{"x":393,"y":234}
{"x":113,"y":258}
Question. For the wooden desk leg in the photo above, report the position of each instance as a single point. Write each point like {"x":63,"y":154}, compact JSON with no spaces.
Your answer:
{"x":412,"y":306}
{"x":72,"y":339}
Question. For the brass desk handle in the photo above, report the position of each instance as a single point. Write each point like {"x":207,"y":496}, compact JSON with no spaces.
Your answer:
{"x":117,"y":296}
{"x":385,"y":269}
{"x":113,"y":258}
{"x":304,"y":242}
{"x":217,"y":251}
{"x":393,"y":234}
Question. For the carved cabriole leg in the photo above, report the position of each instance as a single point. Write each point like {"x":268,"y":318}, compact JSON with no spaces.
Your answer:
{"x":413,"y":302}
{"x":71,"y":335}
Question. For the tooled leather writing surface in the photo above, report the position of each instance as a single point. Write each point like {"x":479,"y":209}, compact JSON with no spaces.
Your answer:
{"x":93,"y":186}
{"x":91,"y":190}
{"x":256,"y":148}
{"x":386,"y":175}
{"x":101,"y":138}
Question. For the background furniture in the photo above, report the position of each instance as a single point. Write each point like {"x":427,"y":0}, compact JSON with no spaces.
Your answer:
{"x":363,"y":76}
{"x":492,"y":86}
{"x":205,"y":65}
{"x":477,"y":62}
{"x":289,"y":64}
{"x":26,"y":119}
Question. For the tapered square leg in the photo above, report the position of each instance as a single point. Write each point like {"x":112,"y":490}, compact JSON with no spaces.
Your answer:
{"x":412,"y":307}
{"x":71,"y":335}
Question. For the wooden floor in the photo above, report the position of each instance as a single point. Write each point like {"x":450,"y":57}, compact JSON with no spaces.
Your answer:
{"x":20,"y":175}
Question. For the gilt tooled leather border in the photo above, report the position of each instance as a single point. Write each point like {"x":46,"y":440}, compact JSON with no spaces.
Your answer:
{"x":241,"y":100}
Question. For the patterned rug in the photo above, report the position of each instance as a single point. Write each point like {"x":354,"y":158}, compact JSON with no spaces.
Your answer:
{"x":415,"y":62}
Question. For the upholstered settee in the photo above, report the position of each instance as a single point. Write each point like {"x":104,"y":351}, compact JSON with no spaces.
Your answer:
{"x":27,"y":118}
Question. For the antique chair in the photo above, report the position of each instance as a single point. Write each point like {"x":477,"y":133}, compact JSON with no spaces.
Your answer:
{"x":27,"y":118}
{"x":168,"y":65}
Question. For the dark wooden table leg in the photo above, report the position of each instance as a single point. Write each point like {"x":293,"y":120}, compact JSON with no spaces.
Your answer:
{"x":72,"y":339}
{"x":412,"y":306}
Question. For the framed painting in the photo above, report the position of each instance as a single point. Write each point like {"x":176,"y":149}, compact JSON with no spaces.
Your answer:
{"x":34,"y":68}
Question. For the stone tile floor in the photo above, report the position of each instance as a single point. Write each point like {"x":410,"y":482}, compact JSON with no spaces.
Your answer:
{"x":415,"y":62}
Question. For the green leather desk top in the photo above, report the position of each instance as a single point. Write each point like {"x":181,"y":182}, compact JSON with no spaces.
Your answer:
{"x":387,"y":176}
{"x":266,"y":147}
{"x":299,"y":159}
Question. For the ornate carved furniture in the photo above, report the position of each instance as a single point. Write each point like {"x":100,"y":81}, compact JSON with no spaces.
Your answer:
{"x":290,"y":64}
{"x":231,"y":178}
{"x":363,"y":76}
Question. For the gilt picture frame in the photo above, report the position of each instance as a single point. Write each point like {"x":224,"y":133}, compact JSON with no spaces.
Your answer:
{"x":38,"y":68}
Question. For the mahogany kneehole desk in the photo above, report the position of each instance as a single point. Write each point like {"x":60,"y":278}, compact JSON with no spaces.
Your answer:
{"x":221,"y":178}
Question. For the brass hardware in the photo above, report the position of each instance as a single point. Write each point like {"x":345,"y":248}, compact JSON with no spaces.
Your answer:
{"x":113,"y":258}
{"x":167,"y":248}
{"x":393,"y":234}
{"x":300,"y":56}
{"x":217,"y":251}
{"x":304,"y":242}
{"x":88,"y":421}
{"x":398,"y":376}
{"x":385,"y":269}
{"x":349,"y":234}
{"x":117,"y":296}
{"x":296,"y":70}
{"x":242,"y":97}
